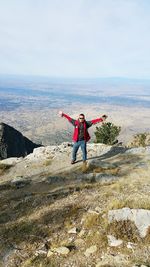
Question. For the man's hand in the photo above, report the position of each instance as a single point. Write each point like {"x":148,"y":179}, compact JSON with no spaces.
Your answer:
{"x":104,"y":117}
{"x":61,"y":113}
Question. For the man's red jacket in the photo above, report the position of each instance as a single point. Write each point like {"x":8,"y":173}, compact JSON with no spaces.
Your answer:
{"x":76,"y":124}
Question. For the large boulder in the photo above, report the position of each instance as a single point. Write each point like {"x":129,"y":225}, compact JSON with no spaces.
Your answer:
{"x":13,"y":143}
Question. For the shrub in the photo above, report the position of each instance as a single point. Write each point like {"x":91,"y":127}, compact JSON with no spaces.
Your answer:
{"x":141,"y":139}
{"x":107,"y":133}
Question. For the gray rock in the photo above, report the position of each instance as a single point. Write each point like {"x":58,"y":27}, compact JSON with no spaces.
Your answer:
{"x":130,"y":245}
{"x":50,"y":253}
{"x":105,"y":178}
{"x":99,"y":210}
{"x":113,"y":242}
{"x":101,"y":164}
{"x":72,"y":231}
{"x":119,"y":260}
{"x":54,"y":179}
{"x":62,"y":250}
{"x":142,"y":165}
{"x":88,"y":177}
{"x":40,"y":252}
{"x":138,"y":150}
{"x":99,"y":177}
{"x":90,"y":251}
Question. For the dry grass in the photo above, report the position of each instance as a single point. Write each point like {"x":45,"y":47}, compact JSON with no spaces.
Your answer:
{"x":91,"y":221}
{"x":98,"y":238}
{"x":4,"y":168}
{"x":125,"y":230}
{"x":55,"y":213}
{"x":41,"y":262}
{"x":113,"y":171}
{"x":134,"y":201}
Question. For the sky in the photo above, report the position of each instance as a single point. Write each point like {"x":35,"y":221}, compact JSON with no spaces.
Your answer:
{"x":75,"y":38}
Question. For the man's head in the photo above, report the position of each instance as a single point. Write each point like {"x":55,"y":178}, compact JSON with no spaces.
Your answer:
{"x":81,"y":117}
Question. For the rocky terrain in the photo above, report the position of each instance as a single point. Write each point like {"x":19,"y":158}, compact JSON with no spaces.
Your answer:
{"x":95,"y":214}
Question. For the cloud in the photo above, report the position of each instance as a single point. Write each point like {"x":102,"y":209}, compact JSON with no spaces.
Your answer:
{"x":75,"y":38}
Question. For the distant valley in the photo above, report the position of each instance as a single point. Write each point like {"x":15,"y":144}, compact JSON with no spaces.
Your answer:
{"x":31,"y":105}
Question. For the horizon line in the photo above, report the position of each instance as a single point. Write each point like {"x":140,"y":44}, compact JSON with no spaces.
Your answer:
{"x":73,"y":78}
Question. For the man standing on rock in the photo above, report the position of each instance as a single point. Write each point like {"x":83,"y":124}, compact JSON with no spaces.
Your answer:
{"x":81,"y":135}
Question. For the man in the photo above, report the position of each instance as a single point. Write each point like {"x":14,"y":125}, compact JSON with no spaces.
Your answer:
{"x":81,"y":135}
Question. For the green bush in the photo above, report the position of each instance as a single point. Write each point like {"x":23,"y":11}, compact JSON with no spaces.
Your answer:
{"x":107,"y":133}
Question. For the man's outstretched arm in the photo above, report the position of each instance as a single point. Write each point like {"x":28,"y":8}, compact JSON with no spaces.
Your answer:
{"x":102,"y":119}
{"x":67,"y":117}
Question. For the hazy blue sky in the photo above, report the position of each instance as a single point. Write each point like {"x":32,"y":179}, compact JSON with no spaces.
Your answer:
{"x":75,"y":38}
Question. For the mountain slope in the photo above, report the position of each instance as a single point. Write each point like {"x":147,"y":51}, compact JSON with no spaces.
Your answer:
{"x":56,"y":214}
{"x":13,"y":143}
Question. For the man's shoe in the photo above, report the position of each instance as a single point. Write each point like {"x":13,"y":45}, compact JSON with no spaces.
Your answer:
{"x":73,"y":162}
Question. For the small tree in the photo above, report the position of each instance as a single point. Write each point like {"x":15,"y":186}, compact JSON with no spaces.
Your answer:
{"x":107,"y":133}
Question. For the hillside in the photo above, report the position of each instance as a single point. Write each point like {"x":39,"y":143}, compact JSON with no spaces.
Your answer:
{"x":55,"y":214}
{"x":13,"y":143}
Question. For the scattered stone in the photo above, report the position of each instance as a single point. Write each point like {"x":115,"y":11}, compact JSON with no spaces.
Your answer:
{"x":41,"y":252}
{"x":71,"y":239}
{"x":93,"y":212}
{"x":82,"y":233}
{"x":50,"y":253}
{"x":130,"y":245}
{"x":113,"y":242}
{"x":72,"y":231}
{"x":62,"y":250}
{"x":99,"y":210}
{"x":90,"y":251}
{"x":140,"y":217}
{"x":119,"y":260}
